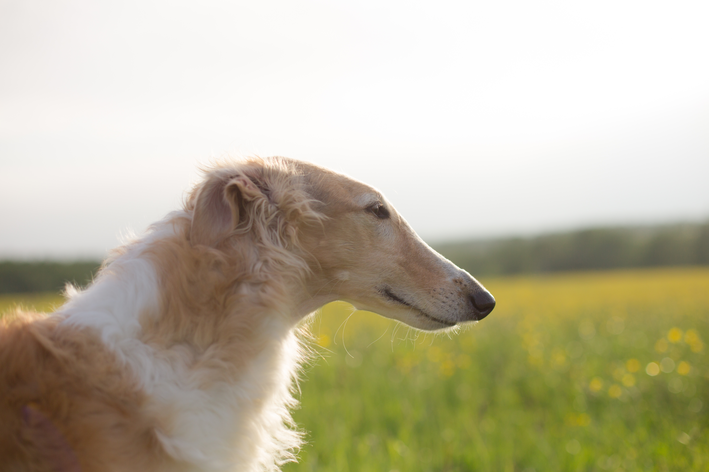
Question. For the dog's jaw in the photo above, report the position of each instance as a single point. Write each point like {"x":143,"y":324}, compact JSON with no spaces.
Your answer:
{"x":388,"y":294}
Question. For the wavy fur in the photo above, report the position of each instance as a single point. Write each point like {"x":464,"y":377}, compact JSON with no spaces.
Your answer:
{"x":183,"y":352}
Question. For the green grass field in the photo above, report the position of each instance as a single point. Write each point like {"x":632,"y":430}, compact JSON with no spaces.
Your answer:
{"x":587,"y":371}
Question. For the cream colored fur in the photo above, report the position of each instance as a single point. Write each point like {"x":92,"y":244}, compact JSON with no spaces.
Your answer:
{"x":181,"y":355}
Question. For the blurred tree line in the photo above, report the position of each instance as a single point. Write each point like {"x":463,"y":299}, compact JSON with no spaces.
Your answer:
{"x":44,"y":276}
{"x":589,"y":249}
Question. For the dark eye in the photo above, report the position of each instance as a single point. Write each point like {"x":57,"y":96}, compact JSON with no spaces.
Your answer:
{"x":379,"y":210}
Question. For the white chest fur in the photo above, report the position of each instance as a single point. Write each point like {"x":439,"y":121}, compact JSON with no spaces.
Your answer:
{"x":221,"y":426}
{"x":204,"y":419}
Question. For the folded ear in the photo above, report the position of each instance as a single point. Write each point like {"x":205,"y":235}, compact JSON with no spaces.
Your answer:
{"x":220,"y":206}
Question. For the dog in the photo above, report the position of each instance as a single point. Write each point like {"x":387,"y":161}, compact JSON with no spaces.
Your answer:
{"x":181,"y":354}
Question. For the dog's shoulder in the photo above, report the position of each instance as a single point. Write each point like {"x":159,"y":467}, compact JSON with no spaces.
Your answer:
{"x":63,"y":394}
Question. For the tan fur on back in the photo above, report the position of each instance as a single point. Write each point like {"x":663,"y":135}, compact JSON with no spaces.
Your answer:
{"x":93,"y":403}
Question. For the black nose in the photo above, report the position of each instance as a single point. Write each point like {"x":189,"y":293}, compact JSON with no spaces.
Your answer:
{"x":484,"y":302}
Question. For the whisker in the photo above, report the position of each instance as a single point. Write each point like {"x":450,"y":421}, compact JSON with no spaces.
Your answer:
{"x":380,"y":337}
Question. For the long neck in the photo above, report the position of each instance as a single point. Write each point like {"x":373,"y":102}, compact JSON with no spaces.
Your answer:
{"x":160,"y":291}
{"x":209,"y":339}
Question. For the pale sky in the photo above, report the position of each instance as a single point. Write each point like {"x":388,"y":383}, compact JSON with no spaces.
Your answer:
{"x":476,"y":119}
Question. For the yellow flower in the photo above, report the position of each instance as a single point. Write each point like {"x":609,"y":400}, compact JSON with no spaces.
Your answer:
{"x":628,"y":380}
{"x":447,"y":368}
{"x":692,"y":338}
{"x":596,"y":384}
{"x":674,"y":335}
{"x":435,"y":354}
{"x":584,"y":419}
{"x":324,"y":340}
{"x":683,"y":368}
{"x":558,"y":357}
{"x":535,"y":360}
{"x":652,"y":369}
{"x":615,"y":391}
{"x":633,"y":365}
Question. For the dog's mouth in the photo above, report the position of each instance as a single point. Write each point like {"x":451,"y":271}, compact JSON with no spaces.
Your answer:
{"x":387,"y":293}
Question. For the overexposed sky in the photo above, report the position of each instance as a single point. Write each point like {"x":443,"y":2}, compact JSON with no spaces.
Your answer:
{"x":474,"y":118}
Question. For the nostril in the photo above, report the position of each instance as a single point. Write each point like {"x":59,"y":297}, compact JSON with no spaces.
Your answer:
{"x":483,"y":301}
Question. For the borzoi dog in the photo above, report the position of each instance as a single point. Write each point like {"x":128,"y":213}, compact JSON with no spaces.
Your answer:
{"x":180,"y":356}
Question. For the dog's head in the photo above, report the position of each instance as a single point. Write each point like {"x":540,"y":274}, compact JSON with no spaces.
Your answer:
{"x":354,"y":244}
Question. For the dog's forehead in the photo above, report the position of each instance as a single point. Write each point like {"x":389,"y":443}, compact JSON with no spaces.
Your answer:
{"x":334,"y":188}
{"x":368,"y":198}
{"x":356,"y":191}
